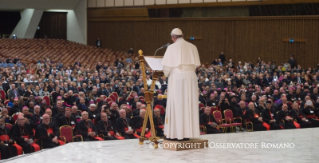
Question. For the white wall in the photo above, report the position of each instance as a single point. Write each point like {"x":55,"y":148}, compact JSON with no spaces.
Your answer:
{"x":28,"y":23}
{"x":121,"y":3}
{"x":37,"y":4}
{"x":76,"y":23}
{"x":31,"y":13}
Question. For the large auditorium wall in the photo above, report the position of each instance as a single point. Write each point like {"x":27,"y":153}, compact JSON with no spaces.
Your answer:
{"x":242,"y":39}
{"x":53,"y":24}
{"x":8,"y":20}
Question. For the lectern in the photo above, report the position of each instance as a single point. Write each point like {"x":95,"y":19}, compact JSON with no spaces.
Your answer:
{"x":155,"y":64}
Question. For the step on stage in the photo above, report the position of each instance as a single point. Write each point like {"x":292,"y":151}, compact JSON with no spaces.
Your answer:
{"x":282,"y":146}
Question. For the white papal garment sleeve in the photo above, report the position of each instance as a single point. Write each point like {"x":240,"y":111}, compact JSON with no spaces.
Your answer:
{"x":167,"y":70}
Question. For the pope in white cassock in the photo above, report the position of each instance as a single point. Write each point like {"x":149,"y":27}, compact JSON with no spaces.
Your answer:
{"x":179,"y":64}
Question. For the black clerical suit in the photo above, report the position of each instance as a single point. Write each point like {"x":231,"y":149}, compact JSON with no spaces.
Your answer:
{"x":298,"y":115}
{"x":281,"y":117}
{"x":104,"y":128}
{"x":310,"y":115}
{"x":19,"y":131}
{"x":159,"y":125}
{"x":267,"y":115}
{"x":252,"y":116}
{"x":70,"y":121}
{"x":114,"y":115}
{"x":207,"y":120}
{"x":137,"y":124}
{"x":46,"y":133}
{"x":84,"y":127}
{"x":122,"y":125}
{"x":8,"y":150}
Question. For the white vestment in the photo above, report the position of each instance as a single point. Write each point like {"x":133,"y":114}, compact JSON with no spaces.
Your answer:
{"x":182,"y":114}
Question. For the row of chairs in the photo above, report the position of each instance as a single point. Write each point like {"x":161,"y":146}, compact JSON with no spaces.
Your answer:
{"x":32,"y":50}
{"x":228,"y":122}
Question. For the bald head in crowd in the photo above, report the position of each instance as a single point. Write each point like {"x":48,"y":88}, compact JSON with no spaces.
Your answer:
{"x":251,"y":106}
{"x":142,"y":113}
{"x":122,"y":113}
{"x":242,"y":104}
{"x":84,"y":115}
{"x":285,"y":107}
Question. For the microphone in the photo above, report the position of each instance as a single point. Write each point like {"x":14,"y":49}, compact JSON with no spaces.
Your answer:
{"x":165,"y":46}
{"x":161,"y":48}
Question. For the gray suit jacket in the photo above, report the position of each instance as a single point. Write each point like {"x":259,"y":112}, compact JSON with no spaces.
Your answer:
{"x":12,"y":94}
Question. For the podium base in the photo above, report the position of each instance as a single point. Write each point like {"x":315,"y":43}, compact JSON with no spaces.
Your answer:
{"x":194,"y":143}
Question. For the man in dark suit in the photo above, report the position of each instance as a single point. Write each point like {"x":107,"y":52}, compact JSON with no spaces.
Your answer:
{"x":82,"y":106}
{"x":122,"y":126}
{"x":97,"y":83}
{"x":22,"y":89}
{"x":84,"y":88}
{"x":292,"y":62}
{"x":298,"y":79}
{"x":13,"y":93}
{"x":261,"y":81}
{"x":268,"y":116}
{"x":71,"y":99}
{"x":222,"y":57}
{"x":51,"y":87}
{"x":136,"y":87}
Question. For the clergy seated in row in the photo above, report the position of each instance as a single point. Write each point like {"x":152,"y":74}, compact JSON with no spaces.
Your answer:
{"x":22,"y":133}
{"x":5,"y":116}
{"x":137,"y":125}
{"x":103,"y":109}
{"x":48,"y":133}
{"x":61,"y":112}
{"x":114,"y":112}
{"x":122,"y":126}
{"x":86,"y":128}
{"x":158,"y":122}
{"x":52,"y":119}
{"x":7,"y":146}
{"x":255,"y":118}
{"x":93,"y":113}
{"x":128,"y":109}
{"x":242,"y":111}
{"x":212,"y":100}
{"x":136,"y":111}
{"x":44,"y":106}
{"x":283,"y":102}
{"x":37,"y":116}
{"x":299,"y":116}
{"x":67,"y":119}
{"x":71,"y":99}
{"x":105,"y":127}
{"x":25,"y":112}
{"x":310,"y":112}
{"x":285,"y":119}
{"x":209,"y":122}
{"x":75,"y":113}
{"x":268,"y":116}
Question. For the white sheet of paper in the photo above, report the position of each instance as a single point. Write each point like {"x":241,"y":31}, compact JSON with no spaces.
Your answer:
{"x":154,"y":63}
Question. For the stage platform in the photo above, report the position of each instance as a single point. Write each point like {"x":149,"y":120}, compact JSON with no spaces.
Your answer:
{"x":297,"y":146}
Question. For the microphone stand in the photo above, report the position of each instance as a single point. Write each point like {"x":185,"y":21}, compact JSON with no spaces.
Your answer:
{"x":157,"y":50}
{"x":161,"y":48}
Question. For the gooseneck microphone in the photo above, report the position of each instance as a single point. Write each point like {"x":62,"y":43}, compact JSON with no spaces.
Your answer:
{"x":161,"y":48}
